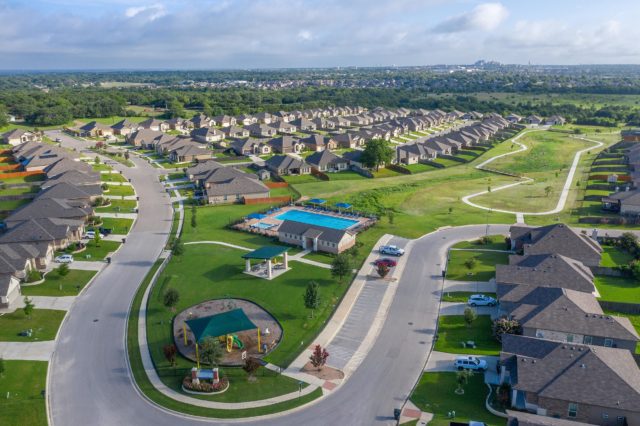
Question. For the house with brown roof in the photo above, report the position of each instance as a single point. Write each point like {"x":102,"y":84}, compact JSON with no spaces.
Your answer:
{"x":124,"y":127}
{"x":558,"y":238}
{"x":207,"y":135}
{"x":286,"y":145}
{"x":201,"y":120}
{"x":17,"y":136}
{"x":235,"y":132}
{"x":251,"y":146}
{"x":224,"y":120}
{"x":283,"y":165}
{"x":319,"y":143}
{"x":327,"y":161}
{"x":223,"y":185}
{"x":155,"y":124}
{"x":262,"y":130}
{"x":413,"y":153}
{"x":95,"y":129}
{"x":590,"y":384}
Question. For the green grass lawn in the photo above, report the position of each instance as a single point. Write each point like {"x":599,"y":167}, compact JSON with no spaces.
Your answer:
{"x":618,"y":289}
{"x":461,"y":296}
{"x":496,"y":242}
{"x":484,"y":269}
{"x":12,"y":204}
{"x":24,"y":179}
{"x":419,"y":167}
{"x":281,"y":192}
{"x":346,"y":175}
{"x":112,"y":177}
{"x":20,"y":191}
{"x":24,"y":382}
{"x":447,"y":162}
{"x":117,"y":206}
{"x":300,"y":179}
{"x":57,"y":285}
{"x":452,"y":331}
{"x":385,"y":173}
{"x":435,"y":393}
{"x":613,"y":256}
{"x":117,"y":225}
{"x":207,"y":272}
{"x":177,"y":175}
{"x":101,"y":167}
{"x":99,"y":251}
{"x":43,"y":322}
{"x":120,"y":190}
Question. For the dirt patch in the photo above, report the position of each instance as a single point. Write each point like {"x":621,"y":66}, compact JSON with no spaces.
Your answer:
{"x":326,"y":373}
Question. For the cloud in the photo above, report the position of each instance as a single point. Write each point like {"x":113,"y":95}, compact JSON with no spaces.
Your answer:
{"x":484,"y":17}
{"x":150,"y":12}
{"x":305,"y":35}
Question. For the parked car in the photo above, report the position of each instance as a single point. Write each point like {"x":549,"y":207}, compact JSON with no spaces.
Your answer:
{"x":58,"y":140}
{"x":64,"y":258}
{"x":481,"y":300}
{"x":92,"y":234}
{"x":470,"y":363}
{"x":392,"y":250}
{"x":390,"y":263}
{"x":105,"y":231}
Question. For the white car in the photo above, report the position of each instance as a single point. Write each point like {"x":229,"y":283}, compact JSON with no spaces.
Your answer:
{"x":391,"y":250}
{"x":470,"y":363}
{"x":64,"y":258}
{"x":91,"y":235}
{"x":481,"y":300}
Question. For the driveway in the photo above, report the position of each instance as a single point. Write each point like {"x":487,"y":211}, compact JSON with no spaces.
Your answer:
{"x":441,"y":361}
{"x":448,"y":308}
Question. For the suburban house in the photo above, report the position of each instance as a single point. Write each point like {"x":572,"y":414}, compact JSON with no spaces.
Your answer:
{"x":304,"y":124}
{"x":555,"y":120}
{"x":526,"y":273}
{"x":35,"y":156}
{"x":264,"y":118}
{"x":319,"y":143}
{"x":284,"y":128}
{"x":572,"y":316}
{"x":251,"y":146}
{"x":513,"y":118}
{"x":224,"y":120}
{"x":183,"y":150}
{"x":315,"y":238}
{"x":223,"y":185}
{"x":283,"y":165}
{"x":559,"y":239}
{"x":155,"y":124}
{"x":17,"y":136}
{"x":286,"y":145}
{"x":124,"y":127}
{"x":74,"y":194}
{"x":180,"y":124}
{"x":207,"y":135}
{"x":415,"y":152}
{"x":535,"y":120}
{"x":201,"y":120}
{"x":327,"y":161}
{"x":235,"y":132}
{"x":143,"y":138}
{"x":261,"y":130}
{"x":624,"y":202}
{"x":347,"y":140}
{"x":94,"y":129}
{"x":632,"y":135}
{"x":48,"y":208}
{"x":9,"y":287}
{"x":439,"y":146}
{"x":246,"y":119}
{"x":572,"y":381}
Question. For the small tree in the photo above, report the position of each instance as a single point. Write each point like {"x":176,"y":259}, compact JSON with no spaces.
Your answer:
{"x":462,"y":378}
{"x":390,"y":216}
{"x":470,"y":263}
{"x":126,"y":155}
{"x":178,"y":247}
{"x":311,"y":297}
{"x":33,"y":275}
{"x":341,"y":266}
{"x":194,"y":219}
{"x":28,"y":308}
{"x":63,"y":270}
{"x":97,"y":159}
{"x":548,"y":190}
{"x":251,"y":365}
{"x":628,"y":241}
{"x":504,"y":325}
{"x":170,"y":352}
{"x":470,"y":315}
{"x":210,"y":351}
{"x":97,"y":239}
{"x":382,"y":269}
{"x":171,"y":298}
{"x":319,"y":357}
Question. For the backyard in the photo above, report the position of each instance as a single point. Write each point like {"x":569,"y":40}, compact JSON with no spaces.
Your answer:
{"x":618,"y":289}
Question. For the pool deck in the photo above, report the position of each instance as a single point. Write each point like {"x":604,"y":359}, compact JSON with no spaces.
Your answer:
{"x":251,"y":225}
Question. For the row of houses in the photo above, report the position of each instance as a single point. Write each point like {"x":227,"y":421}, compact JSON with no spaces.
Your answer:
{"x":572,"y":360}
{"x":52,"y":221}
{"x":627,"y":201}
{"x":536,"y":120}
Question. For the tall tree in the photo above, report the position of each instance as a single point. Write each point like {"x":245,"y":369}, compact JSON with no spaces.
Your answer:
{"x":311,"y":297}
{"x":376,"y":153}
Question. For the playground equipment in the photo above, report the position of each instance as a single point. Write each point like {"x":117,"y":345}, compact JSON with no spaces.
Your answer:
{"x":232,"y":340}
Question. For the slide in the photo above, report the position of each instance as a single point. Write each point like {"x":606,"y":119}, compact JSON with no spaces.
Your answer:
{"x":238,"y":342}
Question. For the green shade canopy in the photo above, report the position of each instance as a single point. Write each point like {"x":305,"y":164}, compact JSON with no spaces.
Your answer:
{"x":220,"y":324}
{"x":266,"y":252}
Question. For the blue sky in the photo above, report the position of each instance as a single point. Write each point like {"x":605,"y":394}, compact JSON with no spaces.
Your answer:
{"x":206,"y":34}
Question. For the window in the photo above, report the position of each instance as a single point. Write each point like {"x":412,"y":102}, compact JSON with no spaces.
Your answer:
{"x":608,"y":343}
{"x":587,"y":340}
{"x":573,"y":410}
{"x":569,"y":338}
{"x":605,"y":416}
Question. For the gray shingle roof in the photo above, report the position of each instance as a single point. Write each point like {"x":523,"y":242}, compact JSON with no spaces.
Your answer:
{"x":325,"y":234}
{"x":324,"y":158}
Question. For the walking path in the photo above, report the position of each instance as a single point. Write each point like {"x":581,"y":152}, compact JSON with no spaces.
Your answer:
{"x":563,"y":195}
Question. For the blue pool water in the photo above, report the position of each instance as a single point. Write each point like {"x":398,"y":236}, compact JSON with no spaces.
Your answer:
{"x":317,"y":219}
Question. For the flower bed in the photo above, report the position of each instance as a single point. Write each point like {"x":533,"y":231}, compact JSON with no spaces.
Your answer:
{"x":205,"y":387}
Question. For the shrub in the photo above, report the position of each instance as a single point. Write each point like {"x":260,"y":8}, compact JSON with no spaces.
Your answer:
{"x":504,"y":325}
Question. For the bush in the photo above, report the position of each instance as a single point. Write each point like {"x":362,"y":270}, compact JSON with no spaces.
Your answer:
{"x":504,"y":325}
{"x":33,"y":275}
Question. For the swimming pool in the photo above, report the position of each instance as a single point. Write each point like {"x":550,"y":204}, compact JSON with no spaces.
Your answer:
{"x":317,"y":219}
{"x":262,"y":225}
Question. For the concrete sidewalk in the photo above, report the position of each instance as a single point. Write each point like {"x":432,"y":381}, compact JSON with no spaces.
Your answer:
{"x":27,"y":351}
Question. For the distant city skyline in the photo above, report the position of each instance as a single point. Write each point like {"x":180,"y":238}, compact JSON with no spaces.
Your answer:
{"x":223,"y":34}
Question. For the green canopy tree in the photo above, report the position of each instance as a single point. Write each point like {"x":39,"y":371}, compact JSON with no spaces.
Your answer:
{"x":210,"y":351}
{"x":311,"y":297}
{"x":341,"y":266}
{"x":376,"y":153}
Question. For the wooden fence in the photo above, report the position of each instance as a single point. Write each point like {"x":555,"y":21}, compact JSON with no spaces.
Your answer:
{"x":273,"y":185}
{"x":274,"y":200}
{"x":20,"y":174}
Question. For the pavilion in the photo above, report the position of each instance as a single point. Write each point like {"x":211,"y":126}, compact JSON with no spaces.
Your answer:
{"x":220,"y":324}
{"x":268,"y":268}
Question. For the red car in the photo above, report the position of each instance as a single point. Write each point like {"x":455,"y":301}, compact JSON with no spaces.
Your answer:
{"x":385,"y":261}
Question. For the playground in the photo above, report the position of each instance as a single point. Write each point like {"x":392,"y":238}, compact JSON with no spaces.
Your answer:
{"x":241,"y":327}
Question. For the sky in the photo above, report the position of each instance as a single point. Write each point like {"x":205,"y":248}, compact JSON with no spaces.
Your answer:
{"x":214,"y":34}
